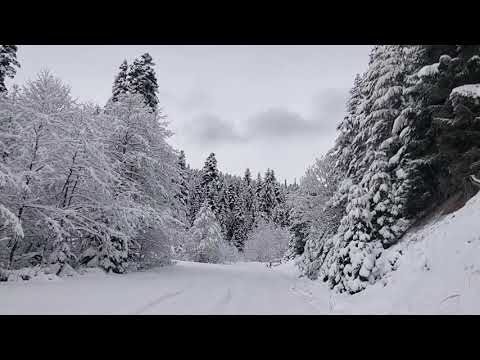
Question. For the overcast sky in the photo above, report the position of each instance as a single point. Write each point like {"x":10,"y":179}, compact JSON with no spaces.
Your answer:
{"x":254,"y":106}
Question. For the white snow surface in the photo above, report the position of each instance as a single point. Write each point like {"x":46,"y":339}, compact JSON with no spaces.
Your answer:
{"x":470,"y":90}
{"x":439,"y":273}
{"x":428,"y":70}
{"x":182,"y":288}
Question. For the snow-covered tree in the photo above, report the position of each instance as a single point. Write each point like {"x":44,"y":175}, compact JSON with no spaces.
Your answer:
{"x":206,"y":240}
{"x":269,"y":194}
{"x":233,"y":215}
{"x":348,"y":128}
{"x":210,"y":182}
{"x":62,"y":184}
{"x":182,"y":194}
{"x":142,"y":80}
{"x":195,"y":194}
{"x":146,"y":163}
{"x":249,"y":202}
{"x":267,"y":242}
{"x":121,"y":83}
{"x":8,"y":62}
{"x":312,"y":217}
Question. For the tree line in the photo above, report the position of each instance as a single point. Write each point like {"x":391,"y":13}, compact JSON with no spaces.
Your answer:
{"x":409,"y":141}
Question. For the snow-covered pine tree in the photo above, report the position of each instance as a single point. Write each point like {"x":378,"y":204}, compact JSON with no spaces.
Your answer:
{"x":436,"y":165}
{"x":269,"y":194}
{"x":258,"y":188}
{"x":235,"y":216}
{"x":348,"y":128}
{"x":182,"y":195}
{"x":367,"y":155}
{"x":248,"y":201}
{"x":210,"y":182}
{"x":121,"y":83}
{"x":247,"y":177}
{"x":385,"y":147}
{"x":231,"y":205}
{"x":195,"y":194}
{"x":298,"y":224}
{"x":281,"y":212}
{"x":206,"y":237}
{"x":142,"y":80}
{"x":372,"y":213}
{"x":8,"y":62}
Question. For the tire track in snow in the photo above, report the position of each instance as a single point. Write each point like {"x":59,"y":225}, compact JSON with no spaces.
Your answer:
{"x":307,"y":297}
{"x":157,"y":301}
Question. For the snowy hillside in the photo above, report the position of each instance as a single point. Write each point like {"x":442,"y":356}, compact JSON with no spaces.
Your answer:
{"x":439,"y":273}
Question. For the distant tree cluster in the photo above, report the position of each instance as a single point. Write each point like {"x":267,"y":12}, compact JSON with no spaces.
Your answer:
{"x":238,"y":204}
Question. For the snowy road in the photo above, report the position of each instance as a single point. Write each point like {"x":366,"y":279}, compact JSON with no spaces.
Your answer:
{"x":184,"y":288}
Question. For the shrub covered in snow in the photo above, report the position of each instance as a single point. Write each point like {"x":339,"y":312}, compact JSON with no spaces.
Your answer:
{"x":205,"y":241}
{"x":267,"y":242}
{"x":153,"y":248}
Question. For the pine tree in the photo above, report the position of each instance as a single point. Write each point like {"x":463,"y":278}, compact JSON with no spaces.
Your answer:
{"x":299,"y":224}
{"x":183,"y":168}
{"x":247,"y":177}
{"x":269,"y":195}
{"x":258,"y":194}
{"x":121,"y":83}
{"x":195,"y":194}
{"x":142,"y":80}
{"x":210,"y":182}
{"x":372,"y":212}
{"x":8,"y":62}
{"x":249,"y":202}
{"x":234,"y":215}
{"x":182,"y":192}
{"x":435,"y":165}
{"x":206,"y":237}
{"x":368,"y":156}
{"x":348,"y":128}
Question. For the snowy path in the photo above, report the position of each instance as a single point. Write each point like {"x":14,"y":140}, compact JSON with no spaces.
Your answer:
{"x":184,"y":288}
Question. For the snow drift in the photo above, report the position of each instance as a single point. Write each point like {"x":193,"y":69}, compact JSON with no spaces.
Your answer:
{"x":437,"y":273}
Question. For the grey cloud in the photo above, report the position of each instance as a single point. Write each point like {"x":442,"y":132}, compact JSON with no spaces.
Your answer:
{"x":209,"y":128}
{"x":278,"y":122}
{"x":328,"y":109}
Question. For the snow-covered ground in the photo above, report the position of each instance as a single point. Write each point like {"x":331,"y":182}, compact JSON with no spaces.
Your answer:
{"x":183,"y":288}
{"x":439,"y":273}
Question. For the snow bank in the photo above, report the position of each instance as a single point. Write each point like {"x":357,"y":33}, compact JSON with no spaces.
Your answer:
{"x":428,"y":70}
{"x":471,"y":90}
{"x":439,"y":273}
